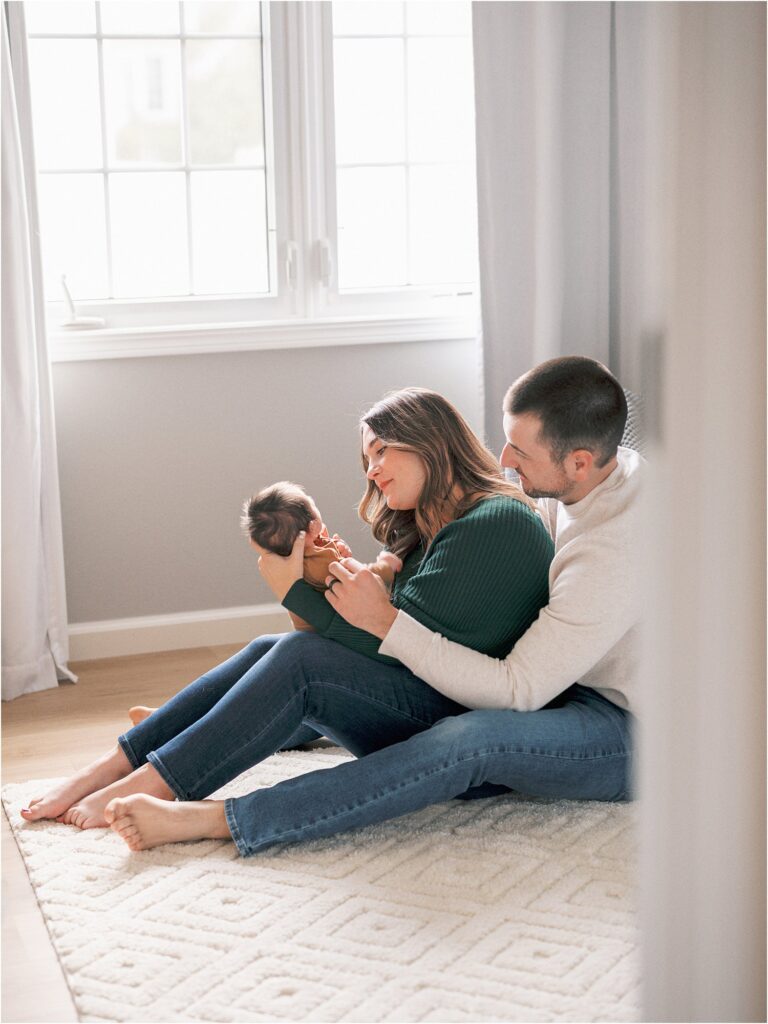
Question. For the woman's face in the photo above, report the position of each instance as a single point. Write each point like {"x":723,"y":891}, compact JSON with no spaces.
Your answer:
{"x":399,"y":475}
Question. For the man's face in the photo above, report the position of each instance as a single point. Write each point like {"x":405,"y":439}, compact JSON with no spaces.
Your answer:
{"x":540,"y":476}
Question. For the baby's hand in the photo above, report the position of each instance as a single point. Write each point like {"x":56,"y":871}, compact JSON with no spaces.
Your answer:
{"x":344,"y":549}
{"x":391,"y":561}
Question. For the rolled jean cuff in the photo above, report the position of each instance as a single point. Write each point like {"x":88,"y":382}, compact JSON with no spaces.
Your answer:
{"x":127,"y":749}
{"x":237,"y":836}
{"x":168,"y":779}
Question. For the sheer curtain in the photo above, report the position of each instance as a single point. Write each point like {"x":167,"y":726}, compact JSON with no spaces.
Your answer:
{"x":543,"y":112}
{"x":569,"y":117}
{"x":34,"y":614}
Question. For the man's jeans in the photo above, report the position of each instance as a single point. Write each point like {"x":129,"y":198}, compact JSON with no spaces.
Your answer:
{"x":413,"y":746}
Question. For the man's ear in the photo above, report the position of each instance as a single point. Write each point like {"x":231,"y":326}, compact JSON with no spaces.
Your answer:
{"x":581,"y":461}
{"x":314,"y":528}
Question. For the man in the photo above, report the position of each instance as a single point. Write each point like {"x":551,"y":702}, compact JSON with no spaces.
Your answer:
{"x":574,"y":672}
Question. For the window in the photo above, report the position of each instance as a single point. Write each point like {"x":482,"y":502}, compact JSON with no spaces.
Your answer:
{"x":203,"y":164}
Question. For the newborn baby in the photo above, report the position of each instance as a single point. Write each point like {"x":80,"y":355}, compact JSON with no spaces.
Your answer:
{"x":273,"y":519}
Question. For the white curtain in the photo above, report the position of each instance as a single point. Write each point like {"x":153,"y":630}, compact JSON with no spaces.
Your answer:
{"x":543,"y":114}
{"x":34,"y":615}
{"x":569,"y":119}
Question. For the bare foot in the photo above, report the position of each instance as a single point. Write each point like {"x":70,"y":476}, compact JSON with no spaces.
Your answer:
{"x":106,"y":770}
{"x":89,"y":812}
{"x":143,"y":821}
{"x":139,"y":713}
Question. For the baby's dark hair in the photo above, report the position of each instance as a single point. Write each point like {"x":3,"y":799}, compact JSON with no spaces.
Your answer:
{"x":274,"y":517}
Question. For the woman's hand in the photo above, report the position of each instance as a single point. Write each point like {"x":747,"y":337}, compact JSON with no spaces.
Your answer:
{"x":281,"y":573}
{"x":360,"y":597}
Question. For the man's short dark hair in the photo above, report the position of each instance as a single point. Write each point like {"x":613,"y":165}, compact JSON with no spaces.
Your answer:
{"x":579,"y":402}
{"x":274,"y":517}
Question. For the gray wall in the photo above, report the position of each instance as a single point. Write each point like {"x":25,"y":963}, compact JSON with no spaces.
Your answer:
{"x":157,"y":455}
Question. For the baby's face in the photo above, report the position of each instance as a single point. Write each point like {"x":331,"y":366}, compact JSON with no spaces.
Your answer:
{"x":317,"y":529}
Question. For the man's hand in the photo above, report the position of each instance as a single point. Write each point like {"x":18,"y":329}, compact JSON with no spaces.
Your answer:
{"x":360,"y":597}
{"x":281,"y":573}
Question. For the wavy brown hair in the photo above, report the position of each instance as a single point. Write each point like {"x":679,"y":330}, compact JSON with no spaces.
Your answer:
{"x":460,"y":470}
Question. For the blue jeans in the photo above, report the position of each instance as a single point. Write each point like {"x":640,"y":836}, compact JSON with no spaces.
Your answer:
{"x":413,"y":746}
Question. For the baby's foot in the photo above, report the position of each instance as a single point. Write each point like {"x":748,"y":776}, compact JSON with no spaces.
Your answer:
{"x":89,"y":812}
{"x":143,"y":821}
{"x":106,"y":770}
{"x":139,"y":713}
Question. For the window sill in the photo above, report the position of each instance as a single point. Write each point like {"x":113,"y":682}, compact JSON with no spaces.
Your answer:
{"x":129,"y":343}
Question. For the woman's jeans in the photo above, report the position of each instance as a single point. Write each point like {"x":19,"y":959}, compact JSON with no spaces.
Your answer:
{"x":413,"y":746}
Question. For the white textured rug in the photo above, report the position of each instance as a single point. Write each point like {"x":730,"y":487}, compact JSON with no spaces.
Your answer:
{"x":490,"y":910}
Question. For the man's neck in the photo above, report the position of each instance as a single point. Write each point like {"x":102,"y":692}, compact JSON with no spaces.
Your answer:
{"x":595,"y":479}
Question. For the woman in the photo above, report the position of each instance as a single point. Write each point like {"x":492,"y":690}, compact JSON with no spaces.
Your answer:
{"x":475,"y":561}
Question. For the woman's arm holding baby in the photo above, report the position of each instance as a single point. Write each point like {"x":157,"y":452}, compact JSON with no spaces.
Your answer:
{"x":281,"y":573}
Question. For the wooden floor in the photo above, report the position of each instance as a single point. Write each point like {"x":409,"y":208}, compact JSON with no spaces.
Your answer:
{"x":51,"y":734}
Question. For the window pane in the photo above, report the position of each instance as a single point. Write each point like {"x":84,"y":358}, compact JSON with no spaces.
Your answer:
{"x":143,"y":106}
{"x":369,"y":85}
{"x":376,"y":19}
{"x":73,"y":235}
{"x":222,"y":16}
{"x":134,"y":18}
{"x":440,"y":99}
{"x":60,"y":16}
{"x":149,"y":234}
{"x":64,"y":80}
{"x":425,"y":18}
{"x":443,"y":231}
{"x":229,"y":232}
{"x":225,"y":102}
{"x":372,"y":227}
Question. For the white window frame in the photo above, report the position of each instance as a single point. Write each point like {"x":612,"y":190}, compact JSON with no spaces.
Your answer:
{"x":304,"y":307}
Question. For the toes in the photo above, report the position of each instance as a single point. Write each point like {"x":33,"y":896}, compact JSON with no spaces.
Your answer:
{"x":32,"y":813}
{"x":114,"y":811}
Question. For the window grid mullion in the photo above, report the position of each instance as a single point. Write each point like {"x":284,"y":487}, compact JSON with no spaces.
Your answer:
{"x":267,"y":110}
{"x":104,"y":153}
{"x":185,"y":155}
{"x":154,"y":169}
{"x":407,"y":154}
{"x":140,"y":37}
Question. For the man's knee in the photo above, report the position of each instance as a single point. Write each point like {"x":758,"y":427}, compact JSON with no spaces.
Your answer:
{"x":481,"y":729}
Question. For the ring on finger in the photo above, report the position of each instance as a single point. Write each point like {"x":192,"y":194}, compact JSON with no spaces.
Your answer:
{"x":335,"y":579}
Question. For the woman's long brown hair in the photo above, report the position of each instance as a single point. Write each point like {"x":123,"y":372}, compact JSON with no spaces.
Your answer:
{"x":422,"y":421}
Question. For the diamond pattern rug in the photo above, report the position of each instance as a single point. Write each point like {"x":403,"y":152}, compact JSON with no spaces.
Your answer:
{"x":503,"y":909}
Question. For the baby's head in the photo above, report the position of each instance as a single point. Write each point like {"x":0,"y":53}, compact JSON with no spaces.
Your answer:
{"x":274,"y":517}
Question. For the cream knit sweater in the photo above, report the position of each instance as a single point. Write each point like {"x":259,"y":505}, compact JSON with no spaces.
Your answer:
{"x":587,"y":632}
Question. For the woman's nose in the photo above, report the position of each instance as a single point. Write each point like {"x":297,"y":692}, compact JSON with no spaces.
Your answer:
{"x":372,"y":471}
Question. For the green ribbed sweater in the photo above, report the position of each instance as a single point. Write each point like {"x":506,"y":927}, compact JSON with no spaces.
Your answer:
{"x":481,"y":583}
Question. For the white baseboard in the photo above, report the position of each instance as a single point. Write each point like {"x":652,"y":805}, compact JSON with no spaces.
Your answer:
{"x":114,"y":638}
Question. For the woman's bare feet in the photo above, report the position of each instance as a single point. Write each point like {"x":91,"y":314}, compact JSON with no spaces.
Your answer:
{"x":103,"y":772}
{"x":89,"y":812}
{"x":139,"y":713}
{"x":143,"y":821}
